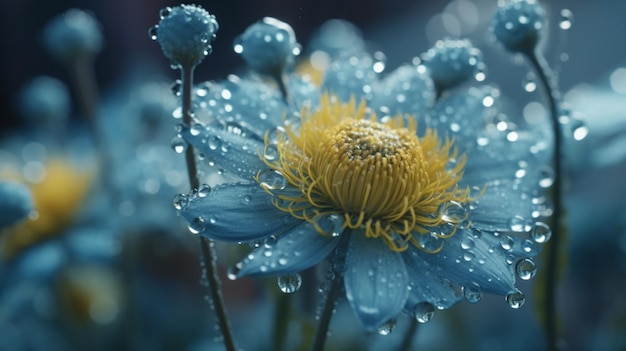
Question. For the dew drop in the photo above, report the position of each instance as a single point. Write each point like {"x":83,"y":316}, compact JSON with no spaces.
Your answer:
{"x":529,"y":84}
{"x":429,"y":241}
{"x":272,"y":180}
{"x":546,"y":177}
{"x":233,"y":271}
{"x":423,"y":312}
{"x":153,"y":31}
{"x":197,"y":225}
{"x":517,"y":224}
{"x":506,"y":242}
{"x":452,"y":212}
{"x":472,"y":293}
{"x":180,"y":201}
{"x":289,"y":284}
{"x":165,"y":12}
{"x":214,"y":142}
{"x":337,"y":225}
{"x":203,"y":191}
{"x":567,"y":17}
{"x":540,"y":232}
{"x":468,"y":242}
{"x":515,"y":299}
{"x":387,"y":327}
{"x":179,"y":145}
{"x":195,"y":129}
{"x":526,"y":269}
{"x":177,"y":87}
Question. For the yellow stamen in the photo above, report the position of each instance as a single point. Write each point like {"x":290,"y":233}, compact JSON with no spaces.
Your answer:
{"x":379,"y":176}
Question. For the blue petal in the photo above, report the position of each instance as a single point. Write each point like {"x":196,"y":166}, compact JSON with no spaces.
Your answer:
{"x":299,"y":249}
{"x":470,"y":258}
{"x":376,"y":280}
{"x":237,"y":212}
{"x":233,"y":153}
{"x":255,"y":105}
{"x":427,"y":285}
{"x":406,"y":90}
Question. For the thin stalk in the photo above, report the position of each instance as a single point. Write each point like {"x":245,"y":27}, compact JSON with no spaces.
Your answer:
{"x":407,"y":341}
{"x":281,"y":321}
{"x":327,"y":313}
{"x":208,"y":251}
{"x":543,"y":71}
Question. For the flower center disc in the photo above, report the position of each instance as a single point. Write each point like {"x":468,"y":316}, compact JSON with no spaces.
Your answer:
{"x":380,"y":177}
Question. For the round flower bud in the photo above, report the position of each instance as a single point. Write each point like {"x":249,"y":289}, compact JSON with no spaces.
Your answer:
{"x":517,"y":24}
{"x":16,"y":203}
{"x":73,"y":35}
{"x":451,"y":62}
{"x":185,"y":34}
{"x":45,"y":99}
{"x":268,"y":46}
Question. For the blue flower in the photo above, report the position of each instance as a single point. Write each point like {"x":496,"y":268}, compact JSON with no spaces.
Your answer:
{"x":418,"y":204}
{"x":518,"y":23}
{"x":73,"y":35}
{"x":16,"y":203}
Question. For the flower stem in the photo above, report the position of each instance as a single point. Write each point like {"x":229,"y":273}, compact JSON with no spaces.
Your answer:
{"x":407,"y":341}
{"x":327,"y":313}
{"x":208,"y":251}
{"x":543,"y":71}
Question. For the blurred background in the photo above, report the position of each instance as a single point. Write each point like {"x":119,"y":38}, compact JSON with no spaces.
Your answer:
{"x":160,"y":274}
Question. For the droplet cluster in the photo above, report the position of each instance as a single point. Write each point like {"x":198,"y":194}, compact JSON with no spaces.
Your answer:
{"x":185,"y":34}
{"x":517,"y":24}
{"x":452,"y":61}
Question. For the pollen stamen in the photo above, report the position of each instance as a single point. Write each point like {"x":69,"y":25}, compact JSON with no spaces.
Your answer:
{"x":380,"y":177}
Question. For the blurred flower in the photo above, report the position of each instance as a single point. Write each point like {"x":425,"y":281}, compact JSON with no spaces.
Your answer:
{"x":73,"y":35}
{"x":424,"y":216}
{"x":57,"y":197}
{"x":16,"y":203}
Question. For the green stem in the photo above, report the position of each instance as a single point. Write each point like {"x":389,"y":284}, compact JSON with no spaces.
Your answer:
{"x":407,"y":341}
{"x":543,"y":71}
{"x":208,"y":251}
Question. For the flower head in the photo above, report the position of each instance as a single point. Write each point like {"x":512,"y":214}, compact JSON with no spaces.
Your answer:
{"x":268,"y":46}
{"x":73,"y":35}
{"x":421,"y":205}
{"x":517,"y":24}
{"x":45,"y":99}
{"x":451,"y":62}
{"x":185,"y":34}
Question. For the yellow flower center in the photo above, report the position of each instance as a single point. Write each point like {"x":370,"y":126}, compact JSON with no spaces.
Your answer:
{"x":380,"y":177}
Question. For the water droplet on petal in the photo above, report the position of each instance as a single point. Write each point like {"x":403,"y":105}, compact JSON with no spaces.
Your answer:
{"x":546,"y":177}
{"x":387,"y":327}
{"x":526,"y":269}
{"x":180,"y":201}
{"x":272,"y":180}
{"x":289,"y":284}
{"x":540,"y":232}
{"x":203,"y":191}
{"x":197,"y":225}
{"x":423,"y":312}
{"x":473,"y":293}
{"x":516,"y":299}
{"x":429,"y":241}
{"x":517,"y":224}
{"x":507,"y":242}
{"x":529,"y":84}
{"x":452,"y":212}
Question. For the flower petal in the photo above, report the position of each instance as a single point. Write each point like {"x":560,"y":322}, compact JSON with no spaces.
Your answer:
{"x":237,"y":212}
{"x":233,"y":153}
{"x":469,"y":258}
{"x":376,"y":280}
{"x":295,"y":251}
{"x":427,"y":285}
